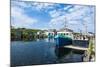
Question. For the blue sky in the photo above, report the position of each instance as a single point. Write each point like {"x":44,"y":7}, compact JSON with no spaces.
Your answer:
{"x":52,"y":15}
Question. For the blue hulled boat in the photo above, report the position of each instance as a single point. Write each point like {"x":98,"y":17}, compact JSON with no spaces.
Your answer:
{"x":62,"y":40}
{"x":63,"y":36}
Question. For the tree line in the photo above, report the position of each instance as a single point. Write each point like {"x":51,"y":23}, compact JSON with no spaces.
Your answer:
{"x":19,"y":34}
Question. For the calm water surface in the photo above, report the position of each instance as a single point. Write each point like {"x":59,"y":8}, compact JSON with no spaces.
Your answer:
{"x":41,"y":52}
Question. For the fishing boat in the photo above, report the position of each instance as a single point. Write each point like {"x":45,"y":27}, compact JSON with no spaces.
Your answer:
{"x":64,"y":36}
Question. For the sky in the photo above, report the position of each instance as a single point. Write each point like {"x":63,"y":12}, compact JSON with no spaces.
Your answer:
{"x":38,"y":15}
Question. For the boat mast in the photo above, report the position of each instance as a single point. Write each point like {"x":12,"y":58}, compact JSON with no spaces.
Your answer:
{"x":65,"y":23}
{"x":85,"y":28}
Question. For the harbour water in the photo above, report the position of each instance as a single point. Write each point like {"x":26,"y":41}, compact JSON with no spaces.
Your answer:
{"x":41,"y":51}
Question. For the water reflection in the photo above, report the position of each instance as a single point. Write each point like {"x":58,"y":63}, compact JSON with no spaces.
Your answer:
{"x":42,"y":51}
{"x":67,"y":55}
{"x":61,"y":52}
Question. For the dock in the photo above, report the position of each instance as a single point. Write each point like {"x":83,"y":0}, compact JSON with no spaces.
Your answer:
{"x":76,"y":47}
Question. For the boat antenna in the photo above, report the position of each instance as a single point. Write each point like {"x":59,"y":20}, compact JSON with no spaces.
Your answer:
{"x":65,"y":23}
{"x":85,"y":27}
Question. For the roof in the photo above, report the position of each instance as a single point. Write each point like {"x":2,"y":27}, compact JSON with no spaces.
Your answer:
{"x":66,"y":29}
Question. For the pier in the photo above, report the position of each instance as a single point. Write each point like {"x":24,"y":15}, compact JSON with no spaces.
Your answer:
{"x":78,"y":45}
{"x":88,"y":50}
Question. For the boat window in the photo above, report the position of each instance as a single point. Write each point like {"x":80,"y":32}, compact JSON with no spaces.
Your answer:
{"x":66,"y":33}
{"x":61,"y":33}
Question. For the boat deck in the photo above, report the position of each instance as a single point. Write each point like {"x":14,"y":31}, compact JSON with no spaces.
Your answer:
{"x":76,"y":47}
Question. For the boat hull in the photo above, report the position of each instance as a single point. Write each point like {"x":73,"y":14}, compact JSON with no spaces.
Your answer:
{"x":62,"y":41}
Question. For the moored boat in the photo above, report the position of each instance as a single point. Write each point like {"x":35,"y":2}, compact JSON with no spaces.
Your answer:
{"x":63,"y":39}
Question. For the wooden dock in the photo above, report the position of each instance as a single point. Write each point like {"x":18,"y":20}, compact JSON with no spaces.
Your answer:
{"x":76,"y":47}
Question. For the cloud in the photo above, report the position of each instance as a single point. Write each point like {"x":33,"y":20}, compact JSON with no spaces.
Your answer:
{"x":19,"y":18}
{"x":42,"y":6}
{"x":55,"y":13}
{"x":67,"y":7}
{"x":20,"y":4}
{"x":57,"y":22}
{"x":76,"y":16}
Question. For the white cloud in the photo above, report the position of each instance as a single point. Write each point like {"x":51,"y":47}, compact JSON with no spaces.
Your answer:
{"x":20,"y":4}
{"x":76,"y":16}
{"x":55,"y":13}
{"x":57,"y":22}
{"x":19,"y":18}
{"x":76,"y":8}
{"x":34,"y":5}
{"x":67,"y":7}
{"x":42,"y":6}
